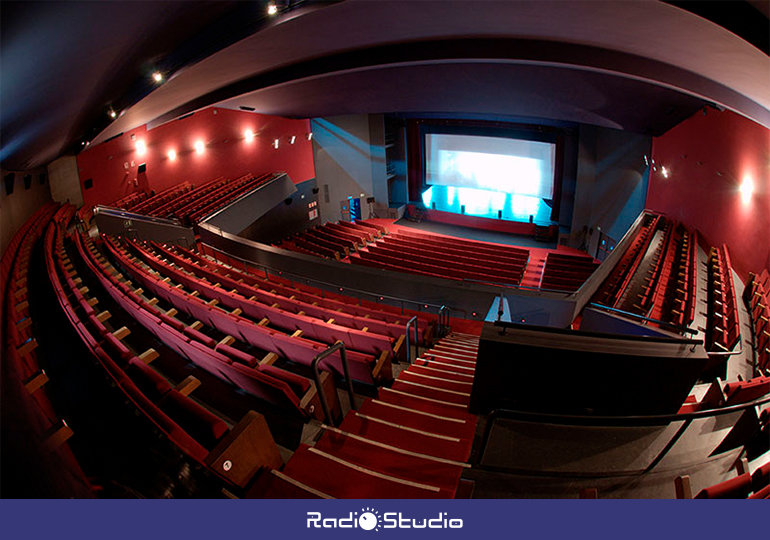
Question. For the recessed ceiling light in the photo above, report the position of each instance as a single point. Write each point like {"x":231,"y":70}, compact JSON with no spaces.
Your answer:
{"x":113,"y":114}
{"x":157,"y":76}
{"x":272,"y":9}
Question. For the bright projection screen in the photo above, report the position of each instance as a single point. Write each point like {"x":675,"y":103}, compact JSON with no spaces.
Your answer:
{"x":507,"y":165}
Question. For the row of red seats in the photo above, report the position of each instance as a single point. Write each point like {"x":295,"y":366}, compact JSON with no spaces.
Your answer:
{"x":305,"y":297}
{"x":611,"y":291}
{"x":260,"y":378}
{"x":333,"y":240}
{"x":444,"y":257}
{"x":24,"y":381}
{"x":200,"y":434}
{"x":744,"y":486}
{"x":566,"y":272}
{"x":168,"y":209}
{"x":723,"y":325}
{"x":131,"y":200}
{"x":757,"y":298}
{"x":148,"y":205}
{"x":676,"y":295}
{"x":220,"y":198}
{"x":264,"y":306}
{"x":734,"y":393}
{"x":295,"y":347}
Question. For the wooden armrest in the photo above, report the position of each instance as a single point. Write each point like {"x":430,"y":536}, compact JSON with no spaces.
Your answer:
{"x":189,"y":384}
{"x":103,"y":316}
{"x":264,"y":322}
{"x":121,"y":333}
{"x":36,"y":381}
{"x":248,"y":447}
{"x":682,"y":487}
{"x":172,"y":312}
{"x":196,"y":325}
{"x":297,"y":333}
{"x":27,"y":347}
{"x":57,"y":435}
{"x":227,"y":340}
{"x":148,"y":356}
{"x":384,"y":356}
{"x":269,"y":359}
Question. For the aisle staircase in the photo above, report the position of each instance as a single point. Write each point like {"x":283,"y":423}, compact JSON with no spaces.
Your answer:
{"x":413,"y":441}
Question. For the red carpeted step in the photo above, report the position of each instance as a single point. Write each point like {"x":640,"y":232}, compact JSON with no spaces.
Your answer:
{"x":459,"y":345}
{"x":450,"y":360}
{"x":346,"y":480}
{"x":276,"y":485}
{"x":406,"y":438}
{"x":462,"y":428}
{"x":392,"y":461}
{"x":463,"y":355}
{"x":433,"y":406}
{"x":436,"y":381}
{"x":443,"y":373}
{"x":439,"y":364}
{"x":432,"y":391}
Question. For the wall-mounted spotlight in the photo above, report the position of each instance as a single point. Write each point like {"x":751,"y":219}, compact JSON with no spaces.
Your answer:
{"x":272,"y":9}
{"x":141,"y":147}
{"x":157,"y":76}
{"x":248,"y":135}
{"x":310,"y":136}
{"x":747,"y":189}
{"x":112,"y":113}
{"x":292,"y":139}
{"x":171,"y":155}
{"x":199,"y":147}
{"x":276,"y":142}
{"x":664,"y":171}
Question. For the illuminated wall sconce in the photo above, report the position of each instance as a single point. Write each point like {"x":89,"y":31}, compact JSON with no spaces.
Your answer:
{"x":310,"y":136}
{"x":157,"y":76}
{"x":141,"y":147}
{"x":665,"y":172}
{"x":248,"y":135}
{"x":112,"y":113}
{"x":292,"y":139}
{"x":171,"y":155}
{"x":272,"y":9}
{"x":199,"y":147}
{"x":276,"y":142}
{"x":747,"y":189}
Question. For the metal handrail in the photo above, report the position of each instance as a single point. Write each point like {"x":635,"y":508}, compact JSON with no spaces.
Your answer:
{"x":643,"y":318}
{"x":339,"y":346}
{"x":265,"y":268}
{"x":443,"y":320}
{"x":408,"y":345}
{"x":727,"y":353}
{"x":606,"y":421}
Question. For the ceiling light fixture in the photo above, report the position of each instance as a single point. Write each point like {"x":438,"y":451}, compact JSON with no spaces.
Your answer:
{"x":272,"y":9}
{"x":157,"y":76}
{"x":112,"y":113}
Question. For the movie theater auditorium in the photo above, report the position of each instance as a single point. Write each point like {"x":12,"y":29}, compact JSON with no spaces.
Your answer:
{"x":368,"y":249}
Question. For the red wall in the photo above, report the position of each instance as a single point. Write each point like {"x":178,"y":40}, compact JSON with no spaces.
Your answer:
{"x":113,"y":165}
{"x":708,"y":157}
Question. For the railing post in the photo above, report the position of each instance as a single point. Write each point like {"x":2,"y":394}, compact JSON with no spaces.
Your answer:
{"x":408,"y":344}
{"x":339,"y":346}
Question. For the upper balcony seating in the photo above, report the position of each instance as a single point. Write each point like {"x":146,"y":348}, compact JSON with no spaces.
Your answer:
{"x":723,"y":325}
{"x":612,"y":289}
{"x":756,"y":296}
{"x":24,"y":382}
